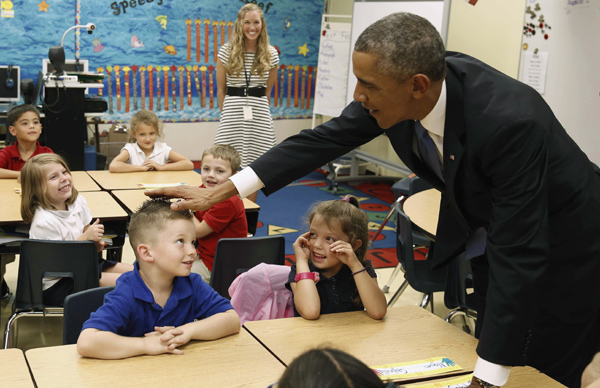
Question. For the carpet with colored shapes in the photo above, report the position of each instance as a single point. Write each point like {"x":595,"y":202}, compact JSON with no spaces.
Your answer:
{"x":285,"y":212}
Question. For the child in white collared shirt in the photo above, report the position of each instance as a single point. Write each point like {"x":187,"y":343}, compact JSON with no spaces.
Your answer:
{"x":145,"y":153}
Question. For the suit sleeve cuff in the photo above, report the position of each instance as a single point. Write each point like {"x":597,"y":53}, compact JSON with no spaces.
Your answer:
{"x":246,"y":182}
{"x":492,"y":373}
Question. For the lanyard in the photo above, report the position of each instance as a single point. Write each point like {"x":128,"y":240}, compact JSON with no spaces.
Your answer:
{"x":247,"y":79}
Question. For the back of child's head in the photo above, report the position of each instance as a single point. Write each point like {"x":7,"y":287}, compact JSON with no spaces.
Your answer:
{"x":354,"y":221}
{"x":327,"y":368}
{"x":145,"y":117}
{"x":151,"y":219}
{"x":15,"y":113}
{"x":225,"y":152}
{"x":33,"y":185}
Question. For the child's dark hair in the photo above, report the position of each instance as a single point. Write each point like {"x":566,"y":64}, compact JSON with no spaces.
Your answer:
{"x":329,"y":367}
{"x":354,"y":221}
{"x":225,"y":152}
{"x":150,"y":219}
{"x":18,"y":111}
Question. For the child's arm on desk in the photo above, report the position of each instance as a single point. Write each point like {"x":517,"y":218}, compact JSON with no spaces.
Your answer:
{"x":119,"y":164}
{"x":106,"y":345}
{"x":202,"y":228}
{"x":177,"y":162}
{"x":9,"y":174}
{"x":211,"y":328}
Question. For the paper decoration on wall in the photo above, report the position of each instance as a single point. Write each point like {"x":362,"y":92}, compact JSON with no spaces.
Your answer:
{"x":472,"y":2}
{"x":97,"y":45}
{"x":43,"y":6}
{"x":303,"y":50}
{"x":531,"y":27}
{"x":135,"y":42}
{"x":6,"y":9}
{"x":162,"y":19}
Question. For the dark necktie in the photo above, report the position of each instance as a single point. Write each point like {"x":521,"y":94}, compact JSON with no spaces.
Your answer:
{"x":428,"y":150}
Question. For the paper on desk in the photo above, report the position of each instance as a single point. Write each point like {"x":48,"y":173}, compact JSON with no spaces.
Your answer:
{"x":158,"y":185}
{"x":458,"y":382}
{"x":404,"y":370}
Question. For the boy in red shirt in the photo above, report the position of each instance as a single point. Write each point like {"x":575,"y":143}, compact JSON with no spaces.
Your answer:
{"x":225,"y":219}
{"x":24,"y":124}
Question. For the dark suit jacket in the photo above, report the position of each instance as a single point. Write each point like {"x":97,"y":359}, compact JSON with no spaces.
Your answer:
{"x":510,"y":167}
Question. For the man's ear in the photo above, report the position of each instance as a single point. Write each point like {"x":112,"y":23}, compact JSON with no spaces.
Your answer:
{"x":143,"y":252}
{"x":356,"y":244}
{"x":421,"y":84}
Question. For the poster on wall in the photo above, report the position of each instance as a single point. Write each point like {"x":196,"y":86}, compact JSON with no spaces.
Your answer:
{"x":161,"y":54}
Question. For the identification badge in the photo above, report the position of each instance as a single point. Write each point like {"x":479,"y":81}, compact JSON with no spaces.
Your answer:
{"x":247,"y":112}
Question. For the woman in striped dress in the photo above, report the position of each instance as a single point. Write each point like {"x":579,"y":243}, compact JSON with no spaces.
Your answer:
{"x":246,"y":73}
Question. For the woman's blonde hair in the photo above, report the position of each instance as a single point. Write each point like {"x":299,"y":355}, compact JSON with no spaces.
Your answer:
{"x":33,"y":185}
{"x":262,"y":57}
{"x":147,"y":117}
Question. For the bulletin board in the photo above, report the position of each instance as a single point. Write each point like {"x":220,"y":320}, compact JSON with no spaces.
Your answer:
{"x":161,"y":54}
{"x":560,"y":58}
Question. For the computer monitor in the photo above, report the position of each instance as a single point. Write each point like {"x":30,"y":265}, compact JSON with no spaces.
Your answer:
{"x":10,"y":83}
{"x":71,"y":66}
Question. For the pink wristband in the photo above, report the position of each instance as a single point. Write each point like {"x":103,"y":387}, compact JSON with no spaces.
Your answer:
{"x":307,"y":275}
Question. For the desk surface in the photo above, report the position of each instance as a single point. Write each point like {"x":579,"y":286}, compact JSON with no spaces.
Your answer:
{"x":131,"y":180}
{"x":237,"y":360}
{"x":13,"y":369}
{"x":81,"y":180}
{"x":101,"y":204}
{"x":407,"y":333}
{"x":132,"y":199}
{"x":423,"y":209}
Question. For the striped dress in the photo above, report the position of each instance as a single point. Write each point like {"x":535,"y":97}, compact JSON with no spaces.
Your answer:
{"x":251,"y":138}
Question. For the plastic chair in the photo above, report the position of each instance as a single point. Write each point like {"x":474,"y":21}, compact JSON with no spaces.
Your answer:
{"x":234,"y":256}
{"x":403,"y":189}
{"x":418,"y":274}
{"x":456,"y":295}
{"x":77,"y":309}
{"x":44,"y":258}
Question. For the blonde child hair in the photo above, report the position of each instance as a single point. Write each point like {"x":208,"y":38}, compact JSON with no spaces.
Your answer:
{"x":33,"y":185}
{"x":146,"y":117}
{"x":225,"y":152}
{"x":262,"y":57}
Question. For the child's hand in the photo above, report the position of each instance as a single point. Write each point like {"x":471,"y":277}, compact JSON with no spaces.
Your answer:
{"x":155,"y":345}
{"x":95,"y":231}
{"x":302,"y":247}
{"x":152,"y":165}
{"x":344,"y":252}
{"x":172,"y":337}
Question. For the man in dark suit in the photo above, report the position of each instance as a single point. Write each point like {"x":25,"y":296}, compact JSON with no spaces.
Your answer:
{"x":517,"y":193}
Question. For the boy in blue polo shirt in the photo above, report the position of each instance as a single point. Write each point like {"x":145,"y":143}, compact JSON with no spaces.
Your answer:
{"x":160,"y":305}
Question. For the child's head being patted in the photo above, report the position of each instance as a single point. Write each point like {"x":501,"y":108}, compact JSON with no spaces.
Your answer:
{"x":164,"y":237}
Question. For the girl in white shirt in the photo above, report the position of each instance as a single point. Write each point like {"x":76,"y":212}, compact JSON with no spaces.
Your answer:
{"x":52,"y":205}
{"x":145,"y":153}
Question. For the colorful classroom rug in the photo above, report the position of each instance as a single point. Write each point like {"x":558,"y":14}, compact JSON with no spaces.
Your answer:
{"x":285,"y":212}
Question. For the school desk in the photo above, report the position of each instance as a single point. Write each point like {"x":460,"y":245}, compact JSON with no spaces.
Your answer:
{"x":423,"y":209}
{"x":14,"y":372}
{"x":234,"y":361}
{"x":407,"y":333}
{"x":132,"y":199}
{"x":131,"y":180}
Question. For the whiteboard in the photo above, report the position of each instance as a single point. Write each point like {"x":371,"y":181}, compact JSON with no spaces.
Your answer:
{"x":332,"y":71}
{"x":572,"y":79}
{"x":366,"y":13}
